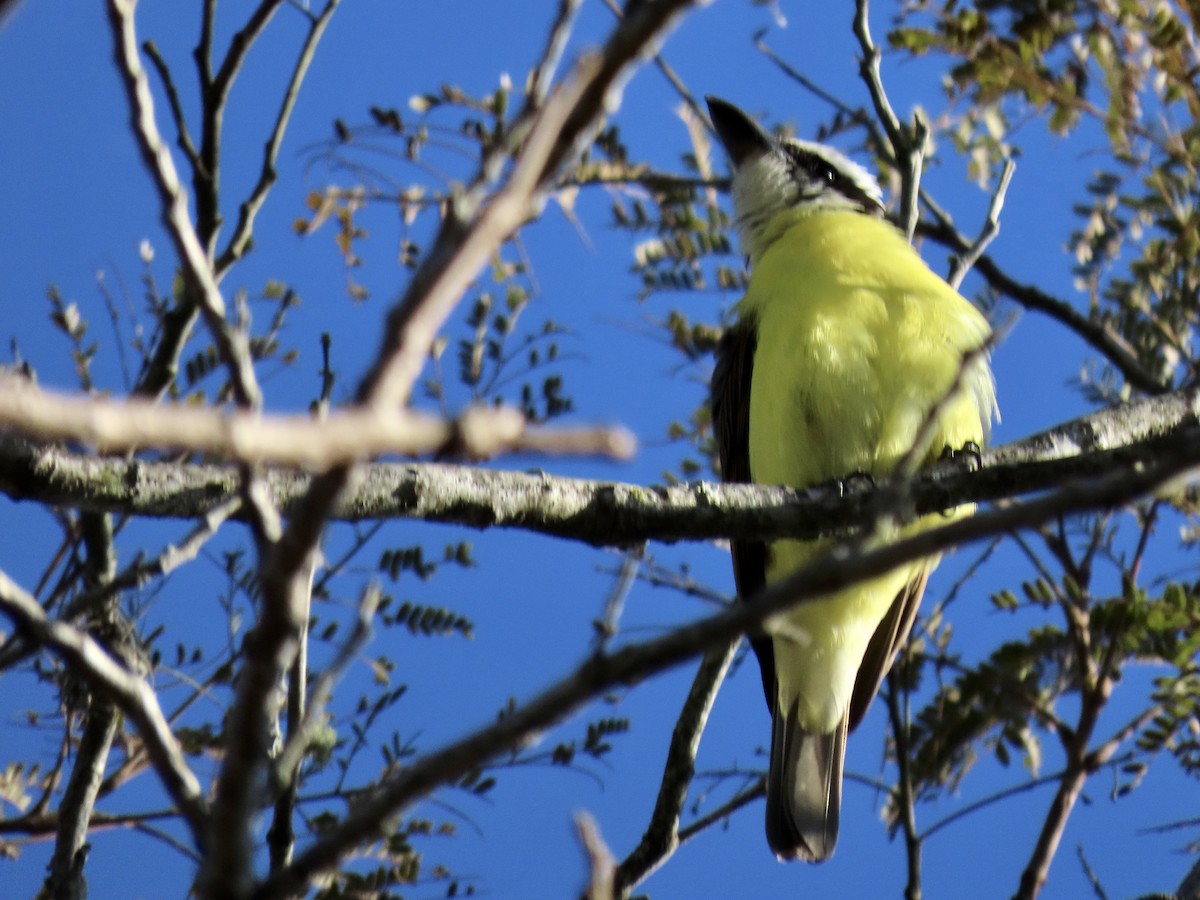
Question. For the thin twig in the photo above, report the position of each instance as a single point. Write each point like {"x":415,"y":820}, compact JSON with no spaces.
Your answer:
{"x":171,"y":558}
{"x":184,"y":139}
{"x":991,"y":227}
{"x":215,"y":87}
{"x":233,"y":346}
{"x":662,"y":833}
{"x":1090,"y":875}
{"x":551,"y":55}
{"x":243,"y":232}
{"x":906,"y":800}
{"x":991,"y":799}
{"x":757,"y":792}
{"x":614,"y":603}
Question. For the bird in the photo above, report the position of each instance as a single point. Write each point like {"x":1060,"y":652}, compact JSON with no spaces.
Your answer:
{"x":846,"y":351}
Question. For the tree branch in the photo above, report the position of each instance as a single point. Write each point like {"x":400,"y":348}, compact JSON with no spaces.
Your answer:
{"x":233,"y":345}
{"x":908,"y":147}
{"x":602,"y":671}
{"x":243,"y":232}
{"x":113,"y":426}
{"x":964,"y":262}
{"x":900,"y":723}
{"x":184,"y":141}
{"x":132,"y":694}
{"x":609,"y":513}
{"x":1112,"y":345}
{"x":75,"y":812}
{"x":662,"y":834}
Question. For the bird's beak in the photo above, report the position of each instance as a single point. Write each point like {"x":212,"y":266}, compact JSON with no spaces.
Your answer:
{"x":741,"y":136}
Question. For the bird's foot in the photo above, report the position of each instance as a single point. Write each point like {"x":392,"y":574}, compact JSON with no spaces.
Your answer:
{"x":855,"y":483}
{"x":971,"y":453}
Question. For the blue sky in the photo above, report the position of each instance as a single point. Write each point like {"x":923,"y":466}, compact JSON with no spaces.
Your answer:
{"x":78,"y":203}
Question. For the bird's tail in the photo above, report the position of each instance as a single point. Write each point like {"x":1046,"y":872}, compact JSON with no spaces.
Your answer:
{"x":804,"y":789}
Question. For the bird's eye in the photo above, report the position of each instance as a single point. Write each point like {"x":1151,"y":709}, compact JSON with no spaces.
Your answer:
{"x":816,"y":168}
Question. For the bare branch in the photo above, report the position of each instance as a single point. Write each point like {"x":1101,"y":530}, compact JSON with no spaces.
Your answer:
{"x":181,"y":127}
{"x":662,"y":834}
{"x":132,"y":694}
{"x":281,"y":837}
{"x":756,"y":792}
{"x":609,"y":513}
{"x":908,"y":147}
{"x":270,"y":650}
{"x":600,"y":859}
{"x":206,"y":177}
{"x":100,"y":718}
{"x":171,"y":558}
{"x":233,"y":346}
{"x":239,"y":47}
{"x":300,"y":740}
{"x":991,"y":227}
{"x":900,"y":721}
{"x":243,"y":232}
{"x":601,"y":671}
{"x":75,"y":812}
{"x":551,"y":55}
{"x":668,"y":73}
{"x":113,"y":426}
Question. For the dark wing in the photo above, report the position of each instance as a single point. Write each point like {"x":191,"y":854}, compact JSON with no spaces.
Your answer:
{"x":886,"y":642}
{"x":730,"y":403}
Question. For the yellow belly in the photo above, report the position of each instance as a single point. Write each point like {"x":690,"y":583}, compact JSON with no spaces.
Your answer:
{"x":857,"y":342}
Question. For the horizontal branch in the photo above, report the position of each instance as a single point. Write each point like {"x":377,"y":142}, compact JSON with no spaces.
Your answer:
{"x":344,"y":436}
{"x":607,"y":513}
{"x":601,"y":671}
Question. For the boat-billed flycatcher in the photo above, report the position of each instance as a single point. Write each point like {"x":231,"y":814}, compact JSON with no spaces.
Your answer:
{"x":845,"y":346}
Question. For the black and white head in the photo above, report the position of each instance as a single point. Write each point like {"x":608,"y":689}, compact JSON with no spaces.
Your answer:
{"x":771,"y":176}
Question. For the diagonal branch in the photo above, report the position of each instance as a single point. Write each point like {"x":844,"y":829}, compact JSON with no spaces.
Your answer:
{"x":181,"y":127}
{"x":243,"y":232}
{"x":964,"y":262}
{"x":132,"y":694}
{"x":1112,"y":345}
{"x":214,"y":88}
{"x":908,"y":146}
{"x":662,"y":833}
{"x":233,"y":346}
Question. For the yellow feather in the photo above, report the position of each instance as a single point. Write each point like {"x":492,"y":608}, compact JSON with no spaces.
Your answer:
{"x":857,"y":342}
